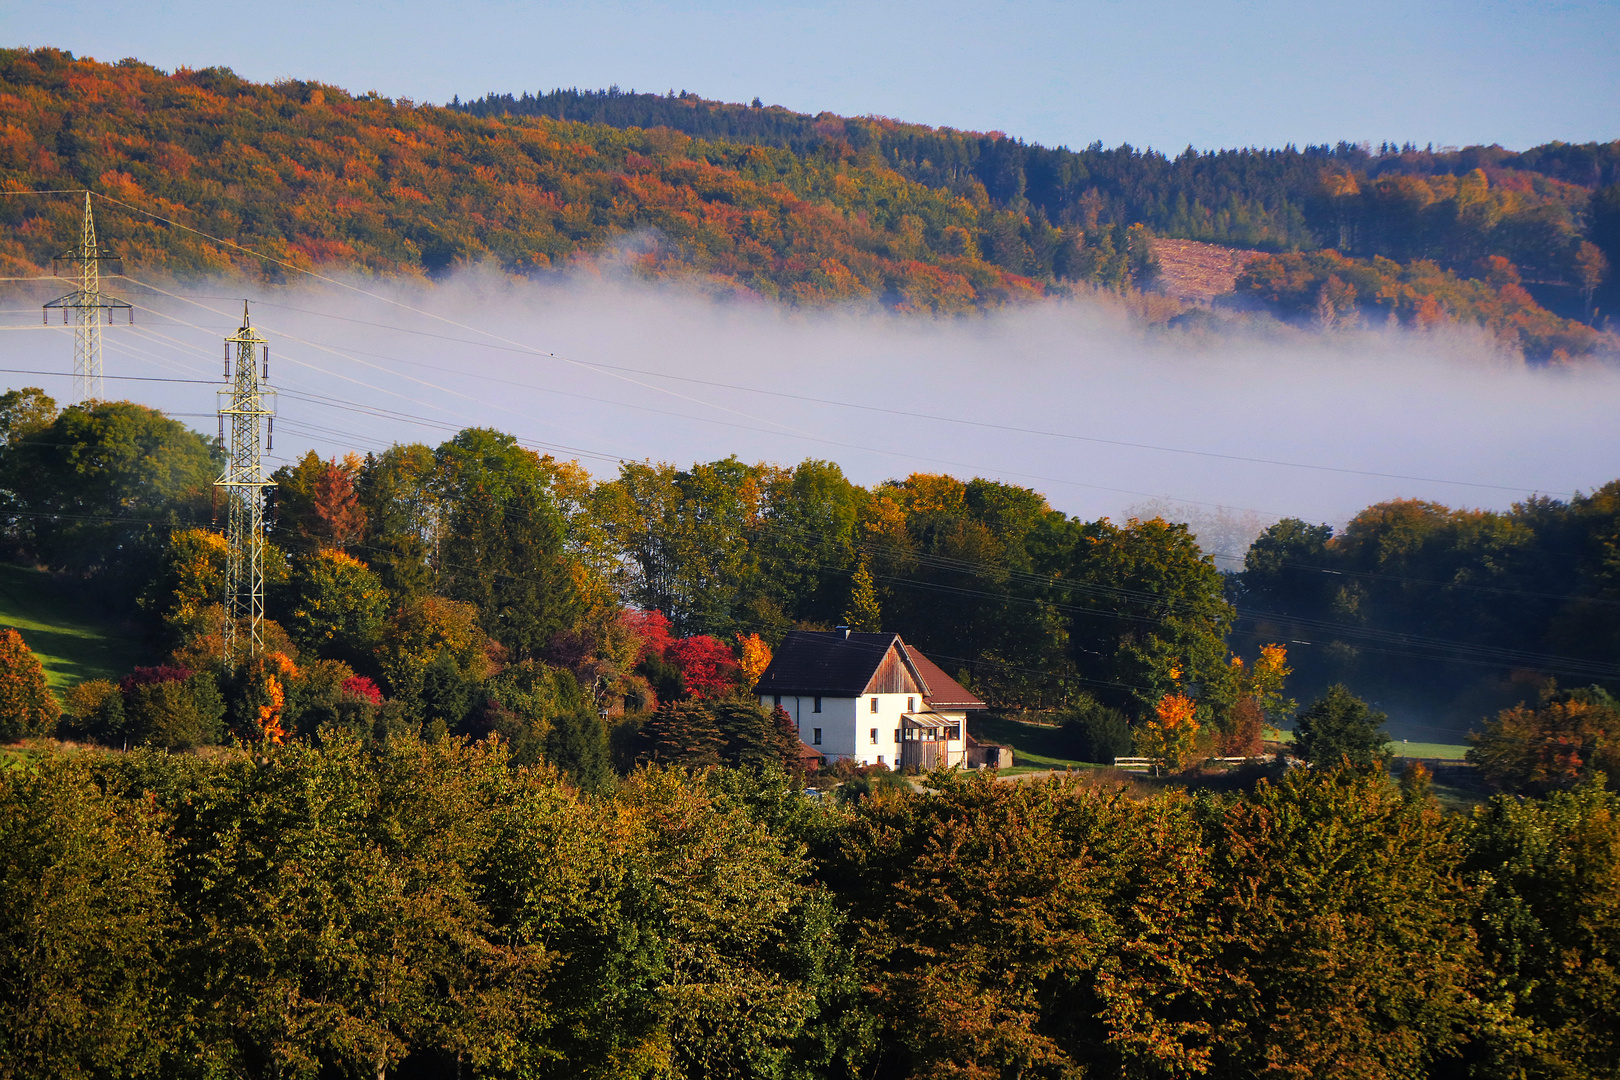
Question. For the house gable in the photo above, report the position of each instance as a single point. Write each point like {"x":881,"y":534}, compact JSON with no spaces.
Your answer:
{"x":894,"y":675}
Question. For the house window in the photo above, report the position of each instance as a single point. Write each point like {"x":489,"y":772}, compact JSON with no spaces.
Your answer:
{"x":874,"y":736}
{"x":911,"y":704}
{"x":896,"y":734}
{"x":778,"y":701}
{"x":874,"y":704}
{"x":880,"y":759}
{"x":816,"y":736}
{"x":818,"y":706}
{"x":954,"y":734}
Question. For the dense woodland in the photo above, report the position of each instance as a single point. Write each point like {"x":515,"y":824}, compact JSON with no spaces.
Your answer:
{"x":1402,"y":202}
{"x":424,"y":909}
{"x":808,"y":210}
{"x":495,"y":800}
{"x":426,"y":572}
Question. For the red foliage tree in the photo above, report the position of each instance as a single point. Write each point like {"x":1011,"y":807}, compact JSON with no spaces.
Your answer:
{"x":358,"y":686}
{"x":339,"y":518}
{"x":706,"y":664}
{"x":652,"y":627}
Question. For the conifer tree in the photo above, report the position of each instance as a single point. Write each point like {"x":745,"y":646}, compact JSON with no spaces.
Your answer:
{"x":682,"y":733}
{"x":864,"y":615}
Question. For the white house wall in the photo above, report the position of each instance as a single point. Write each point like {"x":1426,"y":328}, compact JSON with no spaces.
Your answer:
{"x":846,"y":726}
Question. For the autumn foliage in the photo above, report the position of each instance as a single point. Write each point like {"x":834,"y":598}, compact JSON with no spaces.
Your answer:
{"x":316,"y":177}
{"x":1569,"y":737}
{"x":1332,"y":291}
{"x":27,"y":706}
{"x":1170,"y":734}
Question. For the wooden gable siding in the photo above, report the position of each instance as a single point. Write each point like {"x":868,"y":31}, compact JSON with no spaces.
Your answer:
{"x":893,"y":676}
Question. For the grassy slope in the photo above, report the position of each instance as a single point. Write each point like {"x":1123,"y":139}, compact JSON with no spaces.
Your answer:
{"x":1038,"y":745}
{"x":72,"y":642}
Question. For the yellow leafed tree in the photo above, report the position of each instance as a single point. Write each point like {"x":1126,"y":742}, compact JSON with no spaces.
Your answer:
{"x":754,"y":659}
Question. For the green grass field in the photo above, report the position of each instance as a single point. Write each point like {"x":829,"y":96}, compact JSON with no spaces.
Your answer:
{"x":1038,"y":746}
{"x":73,"y":642}
{"x":1430,"y":750}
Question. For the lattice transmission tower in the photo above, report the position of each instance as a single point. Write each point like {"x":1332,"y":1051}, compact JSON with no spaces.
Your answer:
{"x":248,"y":414}
{"x":89,"y":306}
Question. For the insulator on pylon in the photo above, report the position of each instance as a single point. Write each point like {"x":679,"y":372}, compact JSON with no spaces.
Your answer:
{"x":222,"y":429}
{"x":270,"y":434}
{"x":227,"y":359}
{"x":267,"y":361}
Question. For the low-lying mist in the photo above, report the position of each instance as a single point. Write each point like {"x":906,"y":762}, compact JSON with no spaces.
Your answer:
{"x":663,"y":372}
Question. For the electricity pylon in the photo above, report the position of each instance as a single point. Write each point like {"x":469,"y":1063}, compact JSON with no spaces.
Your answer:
{"x":245,"y":484}
{"x":88,"y":304}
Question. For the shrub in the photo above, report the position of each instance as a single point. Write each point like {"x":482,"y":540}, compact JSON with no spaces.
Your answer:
{"x":1094,"y":731}
{"x":94,"y":710}
{"x":171,"y":707}
{"x":359,"y":686}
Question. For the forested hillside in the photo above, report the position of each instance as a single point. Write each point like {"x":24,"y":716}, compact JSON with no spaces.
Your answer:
{"x":311,"y":175}
{"x":1453,"y":207}
{"x":808,"y":210}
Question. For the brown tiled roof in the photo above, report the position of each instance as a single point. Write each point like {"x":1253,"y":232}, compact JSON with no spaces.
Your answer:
{"x":944,"y":692}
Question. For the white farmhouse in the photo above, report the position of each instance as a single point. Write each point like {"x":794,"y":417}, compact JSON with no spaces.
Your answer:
{"x":869,"y":698}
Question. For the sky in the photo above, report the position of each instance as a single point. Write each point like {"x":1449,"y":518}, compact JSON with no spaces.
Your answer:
{"x":1159,"y":73}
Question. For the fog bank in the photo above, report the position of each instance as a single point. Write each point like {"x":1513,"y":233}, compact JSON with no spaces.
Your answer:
{"x":661,"y":372}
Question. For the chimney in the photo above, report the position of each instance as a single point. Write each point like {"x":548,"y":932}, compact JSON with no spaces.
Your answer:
{"x":844,"y":630}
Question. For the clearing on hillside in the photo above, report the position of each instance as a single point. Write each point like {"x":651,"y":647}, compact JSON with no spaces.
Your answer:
{"x":1197,"y":273}
{"x":73,"y":643}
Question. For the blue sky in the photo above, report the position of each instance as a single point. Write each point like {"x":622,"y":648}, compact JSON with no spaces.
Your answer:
{"x":1161,"y":73}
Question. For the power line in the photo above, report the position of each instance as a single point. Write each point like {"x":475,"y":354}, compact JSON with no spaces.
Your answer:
{"x":122,"y":378}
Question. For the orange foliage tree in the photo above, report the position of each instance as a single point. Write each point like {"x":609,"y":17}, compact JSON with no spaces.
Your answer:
{"x":1170,"y":736}
{"x":274,"y":669}
{"x":1573,"y":735}
{"x":27,"y":706}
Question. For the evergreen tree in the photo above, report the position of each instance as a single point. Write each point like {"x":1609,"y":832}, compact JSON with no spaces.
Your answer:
{"x":864,"y":615}
{"x":754,"y":736}
{"x":682,"y":733}
{"x":577,"y":743}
